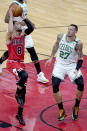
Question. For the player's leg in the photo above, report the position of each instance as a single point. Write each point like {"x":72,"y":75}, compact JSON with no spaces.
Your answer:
{"x":20,"y":94}
{"x":21,"y":76}
{"x":80,"y":88}
{"x":29,"y":45}
{"x":57,"y":77}
{"x":34,"y":58}
{"x":79,"y":92}
{"x":19,"y":115}
{"x":2,"y":59}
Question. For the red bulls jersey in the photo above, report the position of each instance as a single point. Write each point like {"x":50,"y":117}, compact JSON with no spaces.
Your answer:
{"x":16,"y":48}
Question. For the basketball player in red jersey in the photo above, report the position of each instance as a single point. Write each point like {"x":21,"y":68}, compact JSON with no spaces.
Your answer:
{"x":29,"y":45}
{"x":15,"y":64}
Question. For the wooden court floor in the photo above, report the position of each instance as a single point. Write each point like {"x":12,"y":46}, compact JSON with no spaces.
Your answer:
{"x":51,"y":17}
{"x":40,"y":109}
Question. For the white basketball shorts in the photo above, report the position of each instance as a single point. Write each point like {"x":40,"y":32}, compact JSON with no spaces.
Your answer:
{"x":28,"y":41}
{"x":60,"y":70}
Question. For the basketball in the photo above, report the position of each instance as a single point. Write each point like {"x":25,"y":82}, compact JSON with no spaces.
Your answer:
{"x":17,"y":10}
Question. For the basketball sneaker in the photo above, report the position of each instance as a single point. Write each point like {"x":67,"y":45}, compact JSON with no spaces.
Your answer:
{"x":62,"y":115}
{"x":20,"y":118}
{"x":41,"y":78}
{"x":75,"y":113}
{"x":0,"y":69}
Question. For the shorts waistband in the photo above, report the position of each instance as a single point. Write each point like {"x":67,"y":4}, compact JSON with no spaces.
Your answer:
{"x":21,"y":61}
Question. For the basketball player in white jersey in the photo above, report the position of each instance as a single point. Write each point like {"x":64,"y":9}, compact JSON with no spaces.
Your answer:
{"x":29,"y":45}
{"x":69,"y":49}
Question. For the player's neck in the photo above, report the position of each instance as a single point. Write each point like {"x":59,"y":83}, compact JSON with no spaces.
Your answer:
{"x":69,"y":39}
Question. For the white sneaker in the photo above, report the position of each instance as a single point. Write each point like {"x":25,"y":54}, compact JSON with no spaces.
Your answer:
{"x":0,"y":69}
{"x":41,"y":78}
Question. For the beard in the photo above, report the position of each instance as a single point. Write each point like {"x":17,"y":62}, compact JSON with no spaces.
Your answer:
{"x":68,"y":35}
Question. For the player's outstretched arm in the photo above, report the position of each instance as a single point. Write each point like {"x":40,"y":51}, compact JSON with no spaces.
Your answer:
{"x":54,"y":50}
{"x":79,"y":49}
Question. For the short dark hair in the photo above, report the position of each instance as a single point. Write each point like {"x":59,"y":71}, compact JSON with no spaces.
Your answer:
{"x":76,"y":27}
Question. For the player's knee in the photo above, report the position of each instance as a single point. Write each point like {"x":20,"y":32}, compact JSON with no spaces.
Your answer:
{"x":33,"y":53}
{"x":5,"y":55}
{"x":23,"y":78}
{"x":55,"y":84}
{"x":80,"y":83}
{"x":23,"y":74}
{"x":81,"y":87}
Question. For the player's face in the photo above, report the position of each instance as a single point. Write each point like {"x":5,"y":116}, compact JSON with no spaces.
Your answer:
{"x":18,"y":26}
{"x":71,"y":31}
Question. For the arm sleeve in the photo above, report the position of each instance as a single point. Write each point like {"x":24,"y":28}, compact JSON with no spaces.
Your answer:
{"x":29,"y":25}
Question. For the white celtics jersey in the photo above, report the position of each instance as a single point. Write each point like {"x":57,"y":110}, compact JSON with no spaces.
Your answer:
{"x":66,"y":53}
{"x":23,"y":5}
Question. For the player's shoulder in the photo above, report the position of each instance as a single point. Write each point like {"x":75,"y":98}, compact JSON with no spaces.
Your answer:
{"x":80,"y":43}
{"x":9,"y":34}
{"x":13,"y":3}
{"x":8,"y":37}
{"x":60,"y":36}
{"x":16,"y":2}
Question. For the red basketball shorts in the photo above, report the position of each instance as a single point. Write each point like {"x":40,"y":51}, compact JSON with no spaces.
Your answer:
{"x":14,"y":66}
